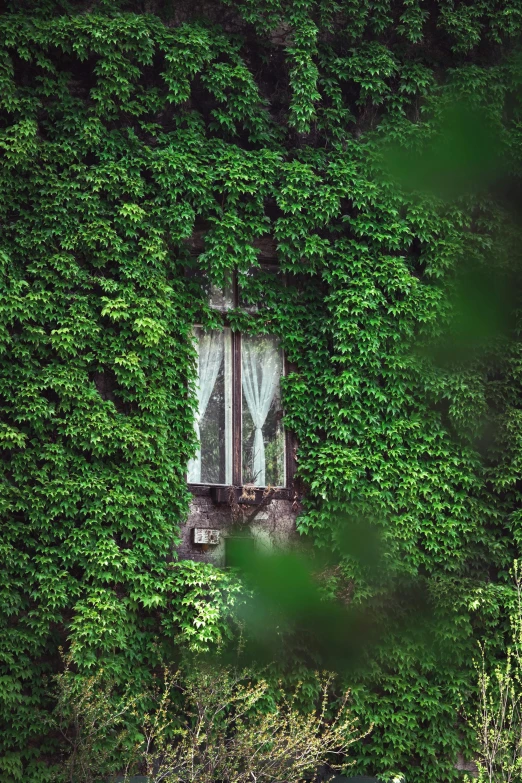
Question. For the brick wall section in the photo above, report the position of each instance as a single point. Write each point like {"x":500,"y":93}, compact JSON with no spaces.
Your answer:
{"x":272,"y":526}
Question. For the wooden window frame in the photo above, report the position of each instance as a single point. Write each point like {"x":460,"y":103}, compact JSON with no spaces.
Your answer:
{"x":287,"y":492}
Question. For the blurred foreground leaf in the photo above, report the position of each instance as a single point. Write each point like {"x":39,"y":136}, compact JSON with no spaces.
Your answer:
{"x":287,"y":607}
{"x":463,"y":155}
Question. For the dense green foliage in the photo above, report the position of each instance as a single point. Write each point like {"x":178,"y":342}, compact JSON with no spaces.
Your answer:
{"x":120,"y":131}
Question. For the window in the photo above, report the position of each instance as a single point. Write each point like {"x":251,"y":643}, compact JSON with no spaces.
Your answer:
{"x":239,"y":420}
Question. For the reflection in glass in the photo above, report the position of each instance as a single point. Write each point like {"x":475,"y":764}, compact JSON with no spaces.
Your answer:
{"x":213,"y":461}
{"x":263,"y":277}
{"x":221,"y":298}
{"x":263,"y":443}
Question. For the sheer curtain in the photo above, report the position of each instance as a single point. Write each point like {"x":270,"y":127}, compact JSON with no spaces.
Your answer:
{"x":260,"y":369}
{"x":210,"y":351}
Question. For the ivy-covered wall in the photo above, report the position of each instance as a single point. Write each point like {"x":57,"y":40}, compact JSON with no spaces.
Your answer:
{"x":123,"y":126}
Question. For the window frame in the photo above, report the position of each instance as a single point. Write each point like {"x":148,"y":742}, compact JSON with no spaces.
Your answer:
{"x":287,"y":491}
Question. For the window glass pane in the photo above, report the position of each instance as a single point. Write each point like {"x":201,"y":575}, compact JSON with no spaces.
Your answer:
{"x":213,"y":424}
{"x":221,"y":299}
{"x":261,"y":275}
{"x":263,"y":446}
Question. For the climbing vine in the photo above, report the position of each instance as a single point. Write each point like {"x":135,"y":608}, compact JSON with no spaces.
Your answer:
{"x":124,"y":129}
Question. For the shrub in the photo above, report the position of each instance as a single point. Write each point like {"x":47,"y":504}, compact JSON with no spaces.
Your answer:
{"x":498,"y":719}
{"x":206,"y":723}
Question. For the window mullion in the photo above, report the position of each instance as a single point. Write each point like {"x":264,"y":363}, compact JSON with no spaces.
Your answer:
{"x":228,"y":400}
{"x":289,"y":443}
{"x":236,"y":410}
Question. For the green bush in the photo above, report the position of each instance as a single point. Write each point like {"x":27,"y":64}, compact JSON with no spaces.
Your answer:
{"x":205,"y":723}
{"x":497,"y":720}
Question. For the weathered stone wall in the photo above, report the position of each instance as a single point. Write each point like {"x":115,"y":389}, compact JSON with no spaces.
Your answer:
{"x":271,"y":525}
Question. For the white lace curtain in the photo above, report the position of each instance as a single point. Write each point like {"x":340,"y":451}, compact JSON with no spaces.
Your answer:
{"x":210,"y":352}
{"x":261,"y":369}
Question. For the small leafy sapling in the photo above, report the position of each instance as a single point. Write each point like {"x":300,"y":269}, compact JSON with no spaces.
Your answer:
{"x":498,"y":718}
